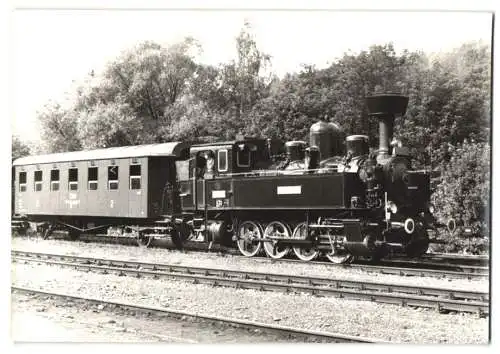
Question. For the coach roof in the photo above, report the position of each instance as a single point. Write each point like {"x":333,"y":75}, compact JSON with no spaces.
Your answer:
{"x":174,"y":149}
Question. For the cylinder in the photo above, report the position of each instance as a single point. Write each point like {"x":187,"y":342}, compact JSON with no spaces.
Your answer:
{"x":357,"y":145}
{"x":216,"y":231}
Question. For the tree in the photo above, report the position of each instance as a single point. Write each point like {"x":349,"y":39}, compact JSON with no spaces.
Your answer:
{"x":109,"y":125}
{"x":449,"y":102}
{"x":464,"y":190}
{"x":19,"y":148}
{"x":127,"y":104}
{"x":59,"y":131}
{"x":145,"y":81}
{"x":232,"y":89}
{"x":336,"y":93}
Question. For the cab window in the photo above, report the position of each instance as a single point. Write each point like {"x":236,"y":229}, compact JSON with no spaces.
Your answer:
{"x":222,"y":160}
{"x":243,"y":156}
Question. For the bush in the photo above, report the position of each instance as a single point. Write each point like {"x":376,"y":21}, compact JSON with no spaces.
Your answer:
{"x":460,"y":244}
{"x":464,"y":193}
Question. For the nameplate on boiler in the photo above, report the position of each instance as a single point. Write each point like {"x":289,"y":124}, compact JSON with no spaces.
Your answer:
{"x":218,"y":194}
{"x":284,"y":190}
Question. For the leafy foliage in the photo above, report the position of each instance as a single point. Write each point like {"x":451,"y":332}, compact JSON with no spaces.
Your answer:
{"x":59,"y":129}
{"x":109,"y":125}
{"x":231,"y":91}
{"x":19,"y":148}
{"x":465,"y":188}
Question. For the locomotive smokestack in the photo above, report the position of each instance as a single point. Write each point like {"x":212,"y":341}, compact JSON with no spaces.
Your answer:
{"x":386,"y":107}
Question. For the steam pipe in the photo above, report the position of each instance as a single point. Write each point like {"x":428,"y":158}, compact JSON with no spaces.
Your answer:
{"x":386,"y":130}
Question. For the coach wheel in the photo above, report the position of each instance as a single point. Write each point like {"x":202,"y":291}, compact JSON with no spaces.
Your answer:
{"x":304,"y":254}
{"x":249,"y":235}
{"x":280,"y":230}
{"x":177,"y":239}
{"x":47,"y":232}
{"x":31,"y":233}
{"x":74,"y":234}
{"x":142,"y":240}
{"x":339,"y":257}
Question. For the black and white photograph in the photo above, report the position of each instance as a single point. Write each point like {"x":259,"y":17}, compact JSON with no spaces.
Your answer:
{"x":249,"y":175}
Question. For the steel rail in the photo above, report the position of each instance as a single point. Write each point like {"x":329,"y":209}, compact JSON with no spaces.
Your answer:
{"x":456,"y":256}
{"x":439,"y":298}
{"x":454,"y":271}
{"x":462,"y":268}
{"x":389,"y":269}
{"x":277,"y":329}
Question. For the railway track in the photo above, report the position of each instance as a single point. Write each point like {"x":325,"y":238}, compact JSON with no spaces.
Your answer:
{"x":137,"y":308}
{"x":411,"y":269}
{"x":441,"y":299}
{"x":462,"y":268}
{"x":469,"y":264}
{"x":458,"y":258}
{"x":403,"y":267}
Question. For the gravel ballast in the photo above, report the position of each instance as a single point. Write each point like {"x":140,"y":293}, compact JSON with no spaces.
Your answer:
{"x":37,"y":318}
{"x":359,"y":318}
{"x":230,"y":262}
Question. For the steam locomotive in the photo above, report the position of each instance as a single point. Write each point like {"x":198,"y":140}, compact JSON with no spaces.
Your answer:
{"x":333,"y":198}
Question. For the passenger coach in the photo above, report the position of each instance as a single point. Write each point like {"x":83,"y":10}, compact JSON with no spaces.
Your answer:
{"x":93,"y":190}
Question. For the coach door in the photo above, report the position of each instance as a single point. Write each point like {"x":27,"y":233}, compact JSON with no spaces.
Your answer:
{"x":136,"y":190}
{"x":205,"y":170}
{"x":171,"y":196}
{"x":184,"y":169}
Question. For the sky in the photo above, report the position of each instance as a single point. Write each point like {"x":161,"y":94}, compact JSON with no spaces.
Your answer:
{"x":52,"y":50}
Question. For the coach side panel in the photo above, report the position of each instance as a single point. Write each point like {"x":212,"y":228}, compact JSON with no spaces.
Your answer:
{"x":88,"y":192}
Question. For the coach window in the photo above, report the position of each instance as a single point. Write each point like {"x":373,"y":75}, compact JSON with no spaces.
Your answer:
{"x":222,"y":160}
{"x":135,"y":177}
{"x":38,"y":181}
{"x":22,"y":181}
{"x":113,"y":177}
{"x":243,"y":156}
{"x":92,"y":180}
{"x":73,"y":179}
{"x":54,"y":180}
